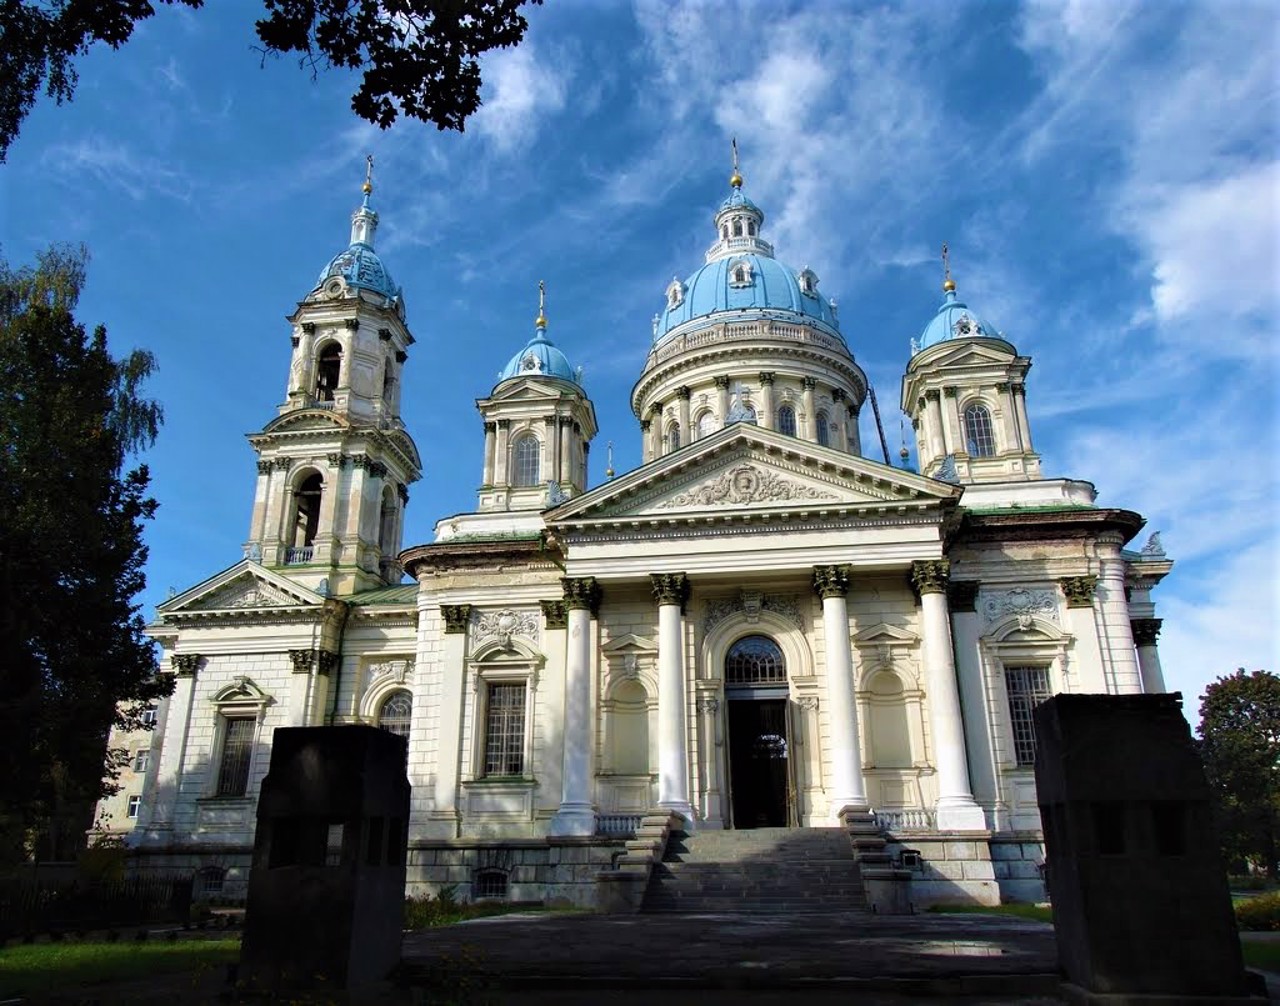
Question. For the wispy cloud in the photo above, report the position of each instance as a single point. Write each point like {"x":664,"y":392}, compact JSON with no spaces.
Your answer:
{"x":522,"y":89}
{"x":115,"y":166}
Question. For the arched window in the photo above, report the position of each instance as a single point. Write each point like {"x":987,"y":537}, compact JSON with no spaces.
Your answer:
{"x":673,"y":437}
{"x":824,"y":430}
{"x":755,"y":660}
{"x":978,"y":435}
{"x":737,"y":228}
{"x":528,"y":460}
{"x":724,"y":231}
{"x":740,"y":274}
{"x":787,"y":420}
{"x":706,"y":424}
{"x":306,"y":511}
{"x":751,"y":228}
{"x":396,"y":714}
{"x":329,"y":371}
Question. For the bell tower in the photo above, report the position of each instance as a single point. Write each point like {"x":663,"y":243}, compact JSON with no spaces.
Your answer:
{"x":538,"y":426}
{"x":965,"y":391}
{"x":335,"y":464}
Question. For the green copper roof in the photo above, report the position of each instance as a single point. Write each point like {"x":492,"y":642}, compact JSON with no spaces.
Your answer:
{"x":404,"y":593}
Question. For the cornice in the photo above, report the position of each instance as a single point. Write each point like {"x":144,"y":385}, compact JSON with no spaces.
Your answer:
{"x":709,"y":525}
{"x":1040,"y":524}
{"x":443,"y":557}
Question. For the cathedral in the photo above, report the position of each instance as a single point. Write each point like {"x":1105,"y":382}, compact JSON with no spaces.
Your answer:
{"x":762,"y":626}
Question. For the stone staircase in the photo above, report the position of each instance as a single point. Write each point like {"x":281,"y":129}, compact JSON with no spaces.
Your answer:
{"x":779,"y":870}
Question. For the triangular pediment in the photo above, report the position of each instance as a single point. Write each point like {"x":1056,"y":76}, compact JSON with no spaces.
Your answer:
{"x":973,"y":354}
{"x":306,"y":420}
{"x":246,"y":586}
{"x":747,"y":469}
{"x":528,"y":389}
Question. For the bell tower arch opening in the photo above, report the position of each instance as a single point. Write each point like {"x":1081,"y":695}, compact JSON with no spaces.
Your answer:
{"x":328,"y":371}
{"x":306,"y":511}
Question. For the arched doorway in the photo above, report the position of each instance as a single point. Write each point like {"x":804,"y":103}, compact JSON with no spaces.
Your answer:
{"x":755,"y":686}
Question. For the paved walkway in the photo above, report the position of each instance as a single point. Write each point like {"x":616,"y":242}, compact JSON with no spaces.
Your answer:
{"x":764,"y":958}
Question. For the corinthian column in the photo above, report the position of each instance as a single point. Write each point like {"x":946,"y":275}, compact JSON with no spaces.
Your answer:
{"x":577,"y":814}
{"x":957,"y":810}
{"x":1114,"y":613}
{"x":848,"y":792}
{"x":1145,"y":631}
{"x":671,"y":591}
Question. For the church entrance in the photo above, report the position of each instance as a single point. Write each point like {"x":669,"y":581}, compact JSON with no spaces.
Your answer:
{"x":759,"y":749}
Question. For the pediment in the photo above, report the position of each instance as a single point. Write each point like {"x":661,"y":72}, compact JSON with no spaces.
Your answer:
{"x":882,"y":633}
{"x":305,"y":420}
{"x":630,"y":643}
{"x":528,"y":389}
{"x":973,"y":354}
{"x":247,"y":586}
{"x":745,"y":469}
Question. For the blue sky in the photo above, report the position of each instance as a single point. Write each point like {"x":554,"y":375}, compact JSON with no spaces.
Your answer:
{"x":1106,"y":174}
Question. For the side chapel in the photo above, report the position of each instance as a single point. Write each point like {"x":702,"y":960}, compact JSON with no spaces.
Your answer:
{"x":758,"y":627}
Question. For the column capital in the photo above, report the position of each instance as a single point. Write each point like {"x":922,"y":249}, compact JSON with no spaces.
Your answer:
{"x":455,"y":617}
{"x":831,"y":581}
{"x":684,"y":392}
{"x":722,"y":383}
{"x":950,"y":391}
{"x":932,"y":394}
{"x":555,"y":614}
{"x":581,"y":592}
{"x":264,"y":466}
{"x":645,"y":425}
{"x":655,"y":409}
{"x":838,"y":394}
{"x":670,"y":588}
{"x":930,"y":576}
{"x":962,"y":595}
{"x":809,"y":383}
{"x":185,"y":665}
{"x":1145,"y":630}
{"x":766,"y":377}
{"x":1079,"y":590}
{"x":282,"y":463}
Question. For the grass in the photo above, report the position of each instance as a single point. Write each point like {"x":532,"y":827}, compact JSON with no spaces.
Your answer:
{"x":1264,"y":955}
{"x":1020,"y":910}
{"x":44,"y":968}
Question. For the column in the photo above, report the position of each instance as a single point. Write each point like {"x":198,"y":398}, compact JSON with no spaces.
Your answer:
{"x":957,"y":810}
{"x":261,"y":494}
{"x":553,"y":449}
{"x":1010,"y":423}
{"x":1145,"y":631}
{"x":1114,"y":612}
{"x":1020,"y":405}
{"x":646,"y":441}
{"x":953,"y":434}
{"x":722,"y":398}
{"x":490,"y":446}
{"x":452,"y":670}
{"x":847,"y":790}
{"x":683,"y":394}
{"x":671,"y":591}
{"x":810,"y":410}
{"x":934,"y":428}
{"x":840,"y":419}
{"x":711,"y":745}
{"x":855,"y":434}
{"x":655,"y":431}
{"x":565,"y":468}
{"x":765,"y":416}
{"x":161,"y":804}
{"x":577,"y":813}
{"x":500,"y":476}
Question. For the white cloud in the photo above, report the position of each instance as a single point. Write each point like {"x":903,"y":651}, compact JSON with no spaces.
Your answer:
{"x":116,"y":166}
{"x":521,"y":91}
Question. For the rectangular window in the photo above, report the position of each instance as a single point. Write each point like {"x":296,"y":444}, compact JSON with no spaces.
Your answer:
{"x":135,"y":803}
{"x":504,"y":731}
{"x":1027,"y":687}
{"x":141,"y":760}
{"x":237,"y":748}
{"x":149,"y":716}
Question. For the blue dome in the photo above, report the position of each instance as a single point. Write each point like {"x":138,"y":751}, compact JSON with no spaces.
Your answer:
{"x":539,"y":358}
{"x":768,"y":285}
{"x":361,"y":268}
{"x":737,"y":201}
{"x":954,"y":320}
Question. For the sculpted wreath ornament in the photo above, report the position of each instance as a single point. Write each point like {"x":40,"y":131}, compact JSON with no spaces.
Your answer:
{"x":747,"y":484}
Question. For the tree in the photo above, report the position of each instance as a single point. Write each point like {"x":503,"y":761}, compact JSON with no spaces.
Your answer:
{"x":420,"y":57}
{"x":73,"y":656}
{"x":1240,"y":744}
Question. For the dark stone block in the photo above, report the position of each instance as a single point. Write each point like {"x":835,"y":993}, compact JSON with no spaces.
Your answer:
{"x":326,"y":894}
{"x":1135,"y":873}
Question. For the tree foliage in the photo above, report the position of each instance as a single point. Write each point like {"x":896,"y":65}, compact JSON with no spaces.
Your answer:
{"x":73,"y":657}
{"x":419,"y":57}
{"x":1240,"y":744}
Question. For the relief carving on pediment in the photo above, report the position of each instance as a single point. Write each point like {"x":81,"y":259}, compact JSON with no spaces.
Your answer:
{"x":246,"y":593}
{"x":746,"y":484}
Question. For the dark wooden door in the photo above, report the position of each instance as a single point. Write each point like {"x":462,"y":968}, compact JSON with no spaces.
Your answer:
{"x":758,"y":751}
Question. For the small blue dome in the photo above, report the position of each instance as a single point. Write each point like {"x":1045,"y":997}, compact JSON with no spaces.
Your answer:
{"x":361,"y":268}
{"x":539,"y":358}
{"x":745,"y":282}
{"x":737,"y":201}
{"x":954,"y":320}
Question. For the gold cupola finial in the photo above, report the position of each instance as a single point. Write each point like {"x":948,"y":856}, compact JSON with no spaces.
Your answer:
{"x":609,"y":472}
{"x":541,"y":321}
{"x":367,"y":187}
{"x":736,"y":178}
{"x":948,"y":284}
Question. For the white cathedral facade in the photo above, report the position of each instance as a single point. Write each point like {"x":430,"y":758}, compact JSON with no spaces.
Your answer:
{"x":758,"y":627}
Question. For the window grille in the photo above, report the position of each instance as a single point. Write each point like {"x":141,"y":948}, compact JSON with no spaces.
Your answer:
{"x":528,"y":457}
{"x":755,"y":660}
{"x":824,"y":430}
{"x":978,"y":435}
{"x":504,"y":733}
{"x":489,"y":884}
{"x":396,"y":714}
{"x":787,"y":420}
{"x":237,"y":749}
{"x":1027,"y":687}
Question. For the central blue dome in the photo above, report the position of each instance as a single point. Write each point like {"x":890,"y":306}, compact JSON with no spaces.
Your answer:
{"x":750,"y":281}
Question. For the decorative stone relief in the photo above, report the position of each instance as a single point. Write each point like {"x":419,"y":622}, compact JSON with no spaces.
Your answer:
{"x":1020,"y":602}
{"x":503,"y":625}
{"x":247,"y":593}
{"x":581,"y":592}
{"x":809,"y":703}
{"x":185,"y":665}
{"x":455,"y":617}
{"x":930,"y":576}
{"x":323,"y":661}
{"x":746,"y":484}
{"x":831,"y":581}
{"x":708,"y":705}
{"x":1079,"y":590}
{"x":670,"y":588}
{"x":554,"y":614}
{"x":1153,"y":549}
{"x":751,"y":603}
{"x":396,"y":670}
